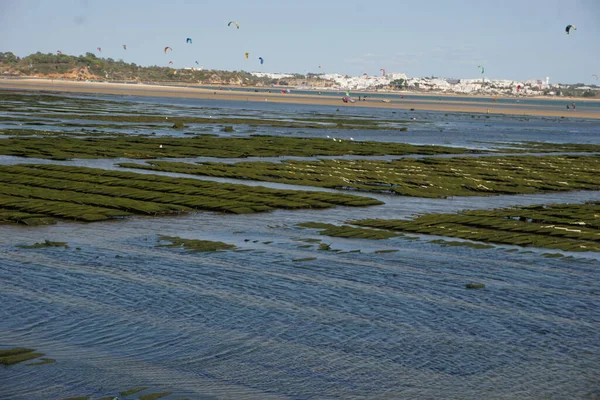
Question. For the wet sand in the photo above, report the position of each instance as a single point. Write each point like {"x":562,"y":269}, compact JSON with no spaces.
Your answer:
{"x":442,"y":105}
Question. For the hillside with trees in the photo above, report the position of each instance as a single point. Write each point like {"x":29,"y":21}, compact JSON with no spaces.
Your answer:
{"x":89,"y":67}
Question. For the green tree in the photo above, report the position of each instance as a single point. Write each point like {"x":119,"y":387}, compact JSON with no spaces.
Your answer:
{"x":398,"y":83}
{"x":8,"y":58}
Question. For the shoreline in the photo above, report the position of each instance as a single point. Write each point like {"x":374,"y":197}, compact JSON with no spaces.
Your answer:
{"x":440,"y":105}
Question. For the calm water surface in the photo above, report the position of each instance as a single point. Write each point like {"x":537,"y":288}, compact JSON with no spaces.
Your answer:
{"x":277,"y":319}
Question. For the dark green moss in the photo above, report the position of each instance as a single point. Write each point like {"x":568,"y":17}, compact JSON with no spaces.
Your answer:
{"x":45,"y":243}
{"x":543,"y":147}
{"x":42,"y":362}
{"x":87,"y":194}
{"x":475,"y":286}
{"x":347,"y":231}
{"x":427,"y":177}
{"x":148,"y":147}
{"x":552,"y":255}
{"x":194,"y":245}
{"x":154,"y":396}
{"x":17,"y":355}
{"x":568,"y":227}
{"x":132,"y":391}
{"x":324,"y":247}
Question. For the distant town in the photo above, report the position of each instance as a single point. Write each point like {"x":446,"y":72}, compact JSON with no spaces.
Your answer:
{"x":477,"y":86}
{"x":91,"y":68}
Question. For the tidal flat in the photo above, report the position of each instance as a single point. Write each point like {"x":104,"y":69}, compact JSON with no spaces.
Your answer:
{"x":41,"y":194}
{"x":63,"y":147}
{"x":424,"y":177}
{"x":568,"y":227}
{"x":447,"y":270}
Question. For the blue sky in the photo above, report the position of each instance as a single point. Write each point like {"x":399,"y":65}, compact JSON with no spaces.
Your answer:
{"x":513,"y":39}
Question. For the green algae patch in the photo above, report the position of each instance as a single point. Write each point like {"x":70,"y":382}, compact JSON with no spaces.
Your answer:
{"x":54,"y":192}
{"x":552,"y":255}
{"x":542,"y":147}
{"x":154,"y":396}
{"x":78,"y":398}
{"x":310,"y":240}
{"x":475,"y":286}
{"x":42,"y":362}
{"x":426,"y":177}
{"x":45,"y":243}
{"x":148,"y":147}
{"x":194,"y":245}
{"x":132,"y":391}
{"x":325,"y":247}
{"x":566,"y":227}
{"x":350,"y":232}
{"x":304,"y":259}
{"x":17,"y":355}
{"x":26,"y":218}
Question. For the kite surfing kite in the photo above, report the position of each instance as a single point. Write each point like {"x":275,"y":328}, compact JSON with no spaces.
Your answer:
{"x":262,"y":61}
{"x":595,"y":76}
{"x":170,"y":62}
{"x":168,"y":48}
{"x":188,"y":40}
{"x":518,"y":88}
{"x":58,"y":52}
{"x":382,"y":71}
{"x":235,"y":23}
{"x":247,"y":55}
{"x":125,"y":47}
{"x":99,"y":49}
{"x":197,"y":63}
{"x":569,"y":27}
{"x":365,"y":74}
{"x":482,"y":69}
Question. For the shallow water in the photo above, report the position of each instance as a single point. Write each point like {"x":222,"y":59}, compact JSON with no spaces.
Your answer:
{"x":116,"y":312}
{"x":424,"y":127}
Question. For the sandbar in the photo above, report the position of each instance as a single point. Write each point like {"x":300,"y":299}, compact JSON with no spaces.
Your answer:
{"x":415,"y":102}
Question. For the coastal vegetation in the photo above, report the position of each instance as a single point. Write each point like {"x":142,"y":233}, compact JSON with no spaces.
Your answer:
{"x":64,"y":147}
{"x":41,"y":194}
{"x":93,"y":68}
{"x":193,"y":245}
{"x":19,"y":354}
{"x":46,"y":243}
{"x":567,"y":227}
{"x":347,"y":231}
{"x":424,"y":177}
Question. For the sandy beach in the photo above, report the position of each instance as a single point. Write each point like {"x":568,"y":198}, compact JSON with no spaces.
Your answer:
{"x":122,"y":89}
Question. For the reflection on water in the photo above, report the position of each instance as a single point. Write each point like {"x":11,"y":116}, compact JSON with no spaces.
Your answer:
{"x":117,"y":312}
